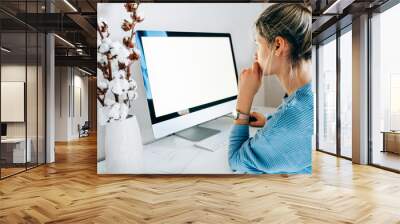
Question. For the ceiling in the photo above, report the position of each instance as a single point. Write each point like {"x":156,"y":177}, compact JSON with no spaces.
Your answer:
{"x":75,"y":21}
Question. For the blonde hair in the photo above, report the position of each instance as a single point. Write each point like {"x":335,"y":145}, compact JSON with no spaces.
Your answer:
{"x":291,"y":21}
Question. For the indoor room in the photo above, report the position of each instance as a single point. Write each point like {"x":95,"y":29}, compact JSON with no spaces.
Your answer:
{"x":157,"y":111}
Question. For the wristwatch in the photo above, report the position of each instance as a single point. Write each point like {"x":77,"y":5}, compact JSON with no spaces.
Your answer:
{"x":237,"y":115}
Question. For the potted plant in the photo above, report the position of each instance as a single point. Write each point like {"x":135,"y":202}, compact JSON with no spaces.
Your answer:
{"x":116,"y":90}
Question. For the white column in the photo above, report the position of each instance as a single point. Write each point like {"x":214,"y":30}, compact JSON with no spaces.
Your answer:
{"x":360,"y":90}
{"x":50,"y":92}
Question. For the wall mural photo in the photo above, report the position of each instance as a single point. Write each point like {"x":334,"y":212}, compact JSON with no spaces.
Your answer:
{"x":180,"y":88}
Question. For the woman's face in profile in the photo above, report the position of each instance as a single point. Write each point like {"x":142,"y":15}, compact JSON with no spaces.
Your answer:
{"x":262,"y":53}
{"x":266,"y":57}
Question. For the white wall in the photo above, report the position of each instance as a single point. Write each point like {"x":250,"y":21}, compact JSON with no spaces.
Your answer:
{"x":12,"y":73}
{"x":235,"y":18}
{"x":80,"y":82}
{"x":61,"y":103}
{"x":33,"y":127}
{"x":68,"y":81}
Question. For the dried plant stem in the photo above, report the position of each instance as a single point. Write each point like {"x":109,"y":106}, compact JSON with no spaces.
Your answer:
{"x":109,"y":69}
{"x":101,"y":34}
{"x":98,"y":96}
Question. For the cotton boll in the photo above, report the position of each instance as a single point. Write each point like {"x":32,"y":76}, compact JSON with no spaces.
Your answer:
{"x":100,"y":76}
{"x":116,"y":48}
{"x":114,"y":113}
{"x":103,"y":48}
{"x":102,"y":60}
{"x":115,"y":86}
{"x":122,"y":59}
{"x":123,"y":97}
{"x":124,"y":52}
{"x":132,"y":84}
{"x":107,"y":41}
{"x":102,"y":84}
{"x":114,"y":68}
{"x":109,"y":98}
{"x":116,"y":74}
{"x":99,"y":73}
{"x":124,"y":85}
{"x":114,"y":51}
{"x":132,"y":95}
{"x":116,"y":45}
{"x":122,"y":74}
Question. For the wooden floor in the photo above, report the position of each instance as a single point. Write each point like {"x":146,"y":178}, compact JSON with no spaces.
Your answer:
{"x":70,"y":191}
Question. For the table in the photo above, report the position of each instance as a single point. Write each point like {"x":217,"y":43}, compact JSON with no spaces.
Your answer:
{"x":13,"y":150}
{"x":175,"y":155}
{"x":391,"y":141}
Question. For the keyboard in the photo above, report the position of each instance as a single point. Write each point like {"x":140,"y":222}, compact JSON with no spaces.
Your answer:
{"x":215,"y":142}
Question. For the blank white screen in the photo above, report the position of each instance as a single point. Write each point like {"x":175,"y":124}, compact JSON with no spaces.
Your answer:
{"x":185,"y":72}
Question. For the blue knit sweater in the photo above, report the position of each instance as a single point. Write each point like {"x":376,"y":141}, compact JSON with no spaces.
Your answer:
{"x":283,"y":145}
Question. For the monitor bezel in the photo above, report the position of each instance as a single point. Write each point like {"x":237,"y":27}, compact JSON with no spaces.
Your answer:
{"x":145,"y":33}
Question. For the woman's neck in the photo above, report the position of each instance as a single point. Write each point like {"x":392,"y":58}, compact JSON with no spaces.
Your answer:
{"x":293,"y":79}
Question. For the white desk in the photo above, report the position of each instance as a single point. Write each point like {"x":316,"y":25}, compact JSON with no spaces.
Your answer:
{"x":175,"y":155}
{"x":18,"y":144}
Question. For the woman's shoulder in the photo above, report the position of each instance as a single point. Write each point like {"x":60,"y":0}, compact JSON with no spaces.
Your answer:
{"x":296,"y":115}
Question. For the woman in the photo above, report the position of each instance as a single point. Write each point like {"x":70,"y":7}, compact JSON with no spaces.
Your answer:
{"x":283,"y":144}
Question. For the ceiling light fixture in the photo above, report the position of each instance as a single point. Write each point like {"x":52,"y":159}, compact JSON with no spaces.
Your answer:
{"x":5,"y":50}
{"x":338,"y":6}
{"x":64,"y":40}
{"x":84,"y":71}
{"x":70,"y":5}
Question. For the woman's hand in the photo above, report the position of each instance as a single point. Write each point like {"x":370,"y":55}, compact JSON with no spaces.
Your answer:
{"x":260,"y":122}
{"x":249,"y":83}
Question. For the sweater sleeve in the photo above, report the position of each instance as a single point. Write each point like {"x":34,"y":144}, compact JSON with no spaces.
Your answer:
{"x":276,"y":148}
{"x":243,"y":155}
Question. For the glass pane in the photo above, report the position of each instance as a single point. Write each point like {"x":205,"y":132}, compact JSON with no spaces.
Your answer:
{"x":13,"y":87}
{"x":41,"y":99}
{"x":386,"y":89}
{"x":346,"y":94}
{"x":31,"y":98}
{"x":327,"y":97}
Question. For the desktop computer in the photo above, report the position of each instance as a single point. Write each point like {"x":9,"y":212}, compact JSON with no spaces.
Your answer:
{"x":188,"y":78}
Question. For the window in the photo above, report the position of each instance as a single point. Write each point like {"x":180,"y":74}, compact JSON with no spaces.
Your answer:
{"x":22,"y":78}
{"x":385,"y":89}
{"x":346,"y":93}
{"x":327,"y":96}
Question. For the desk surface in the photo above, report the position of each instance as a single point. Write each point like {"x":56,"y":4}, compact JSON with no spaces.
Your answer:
{"x":175,"y":155}
{"x":13,"y":140}
{"x":391,"y":132}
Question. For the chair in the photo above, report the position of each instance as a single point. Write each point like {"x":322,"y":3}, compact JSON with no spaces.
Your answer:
{"x":84,"y":130}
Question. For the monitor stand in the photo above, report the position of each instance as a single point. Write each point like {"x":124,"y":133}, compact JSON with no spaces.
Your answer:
{"x":197,"y":133}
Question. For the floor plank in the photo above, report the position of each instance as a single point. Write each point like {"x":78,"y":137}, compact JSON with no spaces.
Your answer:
{"x":70,"y":191}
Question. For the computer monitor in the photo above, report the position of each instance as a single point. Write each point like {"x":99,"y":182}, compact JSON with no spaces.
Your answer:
{"x":3,"y":130}
{"x":189,"y":78}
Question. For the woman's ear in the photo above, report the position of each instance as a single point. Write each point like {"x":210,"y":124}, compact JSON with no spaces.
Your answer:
{"x":280,"y":45}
